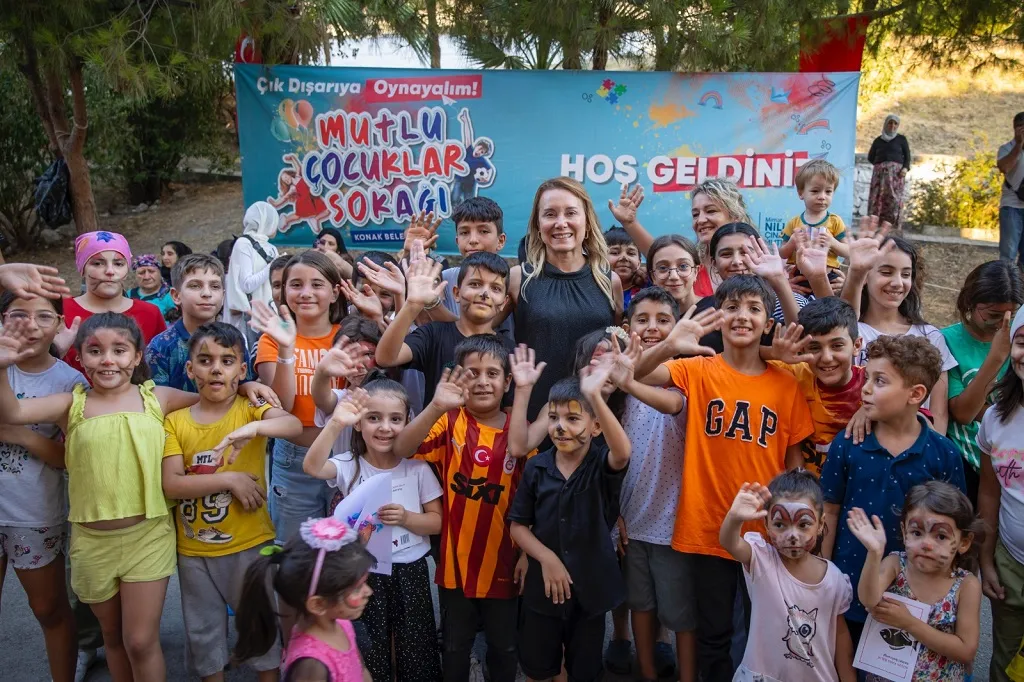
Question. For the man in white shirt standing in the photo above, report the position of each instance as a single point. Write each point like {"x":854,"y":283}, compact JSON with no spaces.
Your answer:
{"x":1010,"y":162}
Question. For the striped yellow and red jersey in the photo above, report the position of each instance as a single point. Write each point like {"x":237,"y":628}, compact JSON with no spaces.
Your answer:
{"x":479,"y":480}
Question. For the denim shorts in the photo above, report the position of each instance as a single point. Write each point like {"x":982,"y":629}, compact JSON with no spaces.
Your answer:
{"x":294,"y":495}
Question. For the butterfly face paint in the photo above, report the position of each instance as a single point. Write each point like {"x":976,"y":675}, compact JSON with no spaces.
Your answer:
{"x":570,"y":425}
{"x":793,"y":528}
{"x":932,"y":540}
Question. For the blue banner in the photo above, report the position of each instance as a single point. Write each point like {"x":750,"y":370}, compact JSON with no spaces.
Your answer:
{"x":365,"y":149}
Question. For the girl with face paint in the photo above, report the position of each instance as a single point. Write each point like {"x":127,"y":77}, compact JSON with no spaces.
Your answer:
{"x":938,"y":566}
{"x":796,"y":597}
{"x":322,"y":574}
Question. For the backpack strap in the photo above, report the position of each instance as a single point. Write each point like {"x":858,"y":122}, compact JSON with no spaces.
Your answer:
{"x":259,"y":249}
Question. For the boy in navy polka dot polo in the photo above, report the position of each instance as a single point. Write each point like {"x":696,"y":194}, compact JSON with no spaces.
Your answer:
{"x":901,"y":451}
{"x":658,"y":578}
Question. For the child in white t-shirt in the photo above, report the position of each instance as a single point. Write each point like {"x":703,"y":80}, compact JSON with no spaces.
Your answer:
{"x":797,"y":598}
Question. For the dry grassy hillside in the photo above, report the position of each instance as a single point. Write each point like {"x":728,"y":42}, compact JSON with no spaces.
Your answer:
{"x":941,"y":111}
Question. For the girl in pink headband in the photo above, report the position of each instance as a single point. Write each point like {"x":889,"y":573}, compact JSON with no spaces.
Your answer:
{"x":104,"y":259}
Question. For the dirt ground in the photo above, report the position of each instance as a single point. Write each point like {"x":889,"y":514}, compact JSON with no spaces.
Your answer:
{"x":201,"y":215}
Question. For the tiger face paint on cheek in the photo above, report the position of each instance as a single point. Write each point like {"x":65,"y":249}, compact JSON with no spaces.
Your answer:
{"x":932,"y":541}
{"x":568,"y":424}
{"x":792,"y":528}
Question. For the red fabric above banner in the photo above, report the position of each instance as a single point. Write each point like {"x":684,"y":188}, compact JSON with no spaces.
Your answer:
{"x":839,"y":49}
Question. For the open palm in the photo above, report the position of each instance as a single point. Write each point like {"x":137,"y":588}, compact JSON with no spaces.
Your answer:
{"x":451,"y":390}
{"x":764,"y":260}
{"x":871,"y":533}
{"x":629,"y":202}
{"x":525,"y":370}
{"x":281,"y":327}
{"x":351,"y":408}
{"x":425,"y":283}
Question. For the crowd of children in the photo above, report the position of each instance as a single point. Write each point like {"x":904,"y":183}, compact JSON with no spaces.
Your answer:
{"x":694,"y":437}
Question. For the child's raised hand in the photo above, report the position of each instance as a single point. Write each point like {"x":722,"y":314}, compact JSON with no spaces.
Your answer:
{"x":629,"y":202}
{"x":764,"y":260}
{"x":870,"y":533}
{"x":259,"y":394}
{"x":685,"y":337}
{"x":14,"y":344}
{"x":425,"y":284}
{"x":557,"y":581}
{"x":422,"y":227}
{"x":351,"y":408}
{"x":867,"y":248}
{"x":1002,"y":342}
{"x":525,"y":371}
{"x":388,"y":276}
{"x":451,"y":390}
{"x":750,"y":502}
{"x":66,"y":336}
{"x":26,"y":280}
{"x":365,"y":301}
{"x":620,"y":363}
{"x":245,"y":488}
{"x":340,"y":361}
{"x":812,"y":259}
{"x":279,"y":327}
{"x":392,"y":514}
{"x":788,"y":345}
{"x":593,"y":378}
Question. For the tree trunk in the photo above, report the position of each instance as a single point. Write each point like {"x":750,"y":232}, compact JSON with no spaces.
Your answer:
{"x":602,"y":40}
{"x":433,"y":35}
{"x":83,"y":206}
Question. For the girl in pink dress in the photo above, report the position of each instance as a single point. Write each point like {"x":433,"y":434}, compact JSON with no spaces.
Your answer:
{"x":322,"y":575}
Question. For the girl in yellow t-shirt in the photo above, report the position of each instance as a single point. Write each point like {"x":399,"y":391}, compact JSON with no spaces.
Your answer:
{"x":122,"y":536}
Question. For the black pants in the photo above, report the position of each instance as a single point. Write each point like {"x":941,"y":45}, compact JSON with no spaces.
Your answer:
{"x":575,"y":637}
{"x":716,"y":582}
{"x":460,"y":617}
{"x":402,"y":611}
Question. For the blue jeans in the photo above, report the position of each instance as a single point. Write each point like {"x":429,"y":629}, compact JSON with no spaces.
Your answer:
{"x":1011,"y":230}
{"x":294,"y":495}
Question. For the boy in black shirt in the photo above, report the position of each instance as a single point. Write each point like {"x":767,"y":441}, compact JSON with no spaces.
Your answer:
{"x":482,"y":292}
{"x":565,"y":507}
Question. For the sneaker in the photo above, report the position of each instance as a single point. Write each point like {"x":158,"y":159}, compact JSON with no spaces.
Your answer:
{"x":86,"y":657}
{"x":664,"y":660}
{"x":618,"y":656}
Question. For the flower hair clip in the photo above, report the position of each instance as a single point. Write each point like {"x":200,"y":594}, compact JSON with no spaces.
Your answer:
{"x":327,"y":535}
{"x":619,"y":332}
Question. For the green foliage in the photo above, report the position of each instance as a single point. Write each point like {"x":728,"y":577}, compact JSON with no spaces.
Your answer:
{"x":138,"y":145}
{"x":23,"y":156}
{"x":967,"y":195}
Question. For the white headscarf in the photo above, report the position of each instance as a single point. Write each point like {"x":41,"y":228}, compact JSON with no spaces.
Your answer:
{"x":261,"y":221}
{"x":886,"y":135}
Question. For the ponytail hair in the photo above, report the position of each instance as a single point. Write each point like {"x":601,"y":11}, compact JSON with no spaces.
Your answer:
{"x":256,"y":620}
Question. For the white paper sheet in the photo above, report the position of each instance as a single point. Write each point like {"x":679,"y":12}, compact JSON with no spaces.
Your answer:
{"x":887,"y":651}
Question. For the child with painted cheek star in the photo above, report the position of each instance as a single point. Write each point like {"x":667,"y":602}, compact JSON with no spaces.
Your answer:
{"x":401,"y":617}
{"x":33,"y":513}
{"x":797,"y":598}
{"x":939,"y":530}
{"x":122,"y":535}
{"x":322,"y":574}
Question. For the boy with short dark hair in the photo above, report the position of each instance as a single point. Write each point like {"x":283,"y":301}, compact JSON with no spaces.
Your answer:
{"x":197,"y":286}
{"x":624,"y":259}
{"x":564,"y":510}
{"x":482,"y":292}
{"x":829,"y":380}
{"x":214,"y":463}
{"x":900,"y":452}
{"x":738,"y":404}
{"x":463,"y":433}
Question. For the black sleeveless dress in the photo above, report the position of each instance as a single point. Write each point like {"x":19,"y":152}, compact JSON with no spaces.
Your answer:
{"x":555,"y":310}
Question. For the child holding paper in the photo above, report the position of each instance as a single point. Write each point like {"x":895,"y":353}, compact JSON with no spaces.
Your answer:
{"x":401,"y":612}
{"x":939,"y":529}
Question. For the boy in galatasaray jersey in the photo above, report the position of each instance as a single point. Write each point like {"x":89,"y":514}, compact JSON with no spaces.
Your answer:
{"x":463,"y":433}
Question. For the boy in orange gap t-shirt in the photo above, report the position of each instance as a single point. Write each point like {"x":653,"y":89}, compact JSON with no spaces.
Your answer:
{"x":464,"y":432}
{"x":745,"y":422}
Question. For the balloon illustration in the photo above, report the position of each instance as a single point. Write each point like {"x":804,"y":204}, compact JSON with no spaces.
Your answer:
{"x":287,"y":111}
{"x":303,"y":113}
{"x":279,"y":129}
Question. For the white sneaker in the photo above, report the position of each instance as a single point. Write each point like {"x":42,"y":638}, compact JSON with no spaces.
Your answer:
{"x":86,"y":657}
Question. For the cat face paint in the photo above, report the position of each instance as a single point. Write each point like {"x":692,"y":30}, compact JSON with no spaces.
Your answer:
{"x":570,"y":426}
{"x":932,"y":540}
{"x":793,"y":528}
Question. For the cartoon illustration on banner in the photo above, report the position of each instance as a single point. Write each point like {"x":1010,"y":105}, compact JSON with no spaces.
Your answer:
{"x":364,"y":150}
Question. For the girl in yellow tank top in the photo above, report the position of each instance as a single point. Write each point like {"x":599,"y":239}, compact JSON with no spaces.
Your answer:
{"x":122,"y":535}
